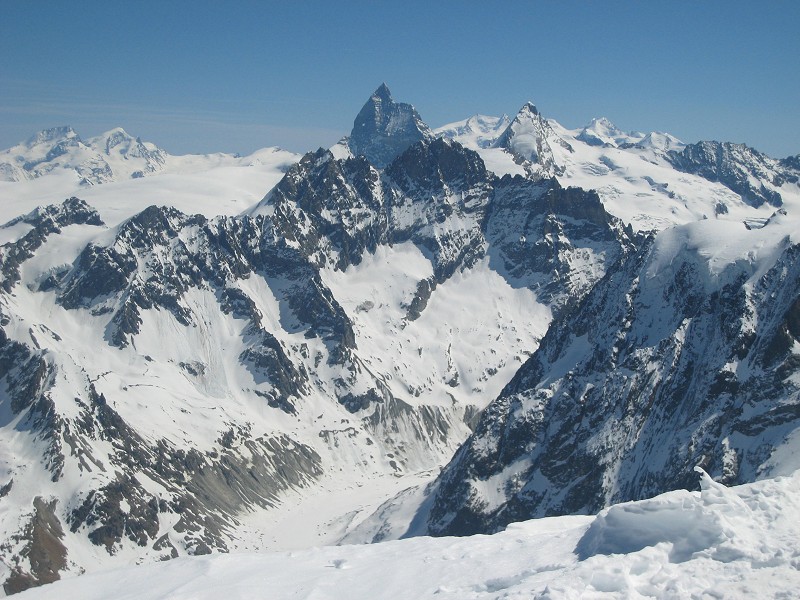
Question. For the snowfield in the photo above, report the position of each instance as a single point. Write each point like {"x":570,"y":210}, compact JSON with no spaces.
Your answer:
{"x":208,"y":184}
{"x":738,"y":542}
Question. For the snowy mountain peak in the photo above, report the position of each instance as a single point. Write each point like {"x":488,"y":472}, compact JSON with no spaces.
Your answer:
{"x":118,"y":144}
{"x":479,"y":131}
{"x":117,"y":131}
{"x":52,"y":134}
{"x":110,"y":156}
{"x":658,"y":140}
{"x":383,"y":128}
{"x":528,"y":139}
{"x":383,"y":93}
{"x":529,"y":108}
{"x":115,"y":137}
{"x":601,"y":122}
{"x":600,"y":131}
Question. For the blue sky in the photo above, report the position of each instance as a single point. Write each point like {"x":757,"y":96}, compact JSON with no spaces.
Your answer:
{"x":236,"y":76}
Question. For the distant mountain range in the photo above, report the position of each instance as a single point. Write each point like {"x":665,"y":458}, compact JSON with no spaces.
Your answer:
{"x":112,"y":156}
{"x":557,"y":319}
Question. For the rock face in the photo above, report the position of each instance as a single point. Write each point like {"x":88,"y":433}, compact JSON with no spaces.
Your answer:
{"x":675,"y":359}
{"x":41,"y":223}
{"x":559,"y":244}
{"x":439,"y":195}
{"x":383,"y":129}
{"x":751,"y":174}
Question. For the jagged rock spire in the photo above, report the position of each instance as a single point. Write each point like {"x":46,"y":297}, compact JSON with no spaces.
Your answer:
{"x":384,"y":128}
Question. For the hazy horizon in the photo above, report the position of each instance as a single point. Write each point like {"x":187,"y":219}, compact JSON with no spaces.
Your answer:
{"x":206,"y":77}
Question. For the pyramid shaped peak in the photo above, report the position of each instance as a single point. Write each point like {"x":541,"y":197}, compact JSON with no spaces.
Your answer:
{"x":383,"y":92}
{"x":529,"y":107}
{"x":528,"y":138}
{"x":383,"y":128}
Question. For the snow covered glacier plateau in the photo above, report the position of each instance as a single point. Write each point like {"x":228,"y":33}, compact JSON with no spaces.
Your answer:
{"x":417,"y":332}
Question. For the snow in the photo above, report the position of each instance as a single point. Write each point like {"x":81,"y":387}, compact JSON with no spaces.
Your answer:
{"x":338,"y":510}
{"x":475,"y":326}
{"x":785,"y":459}
{"x":154,"y":394}
{"x":500,"y":162}
{"x":340,"y":150}
{"x":722,"y":243}
{"x":211,"y":184}
{"x":526,"y":139}
{"x":738,"y":542}
{"x":479,"y":131}
{"x":600,"y":131}
{"x":658,"y":140}
{"x":638,"y":185}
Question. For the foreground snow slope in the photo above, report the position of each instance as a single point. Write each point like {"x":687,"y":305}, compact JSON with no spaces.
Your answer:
{"x":720,"y":542}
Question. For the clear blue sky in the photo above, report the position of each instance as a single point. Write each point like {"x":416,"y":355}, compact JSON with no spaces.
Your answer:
{"x":236,"y":76}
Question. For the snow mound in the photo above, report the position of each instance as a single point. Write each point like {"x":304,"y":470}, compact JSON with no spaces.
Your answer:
{"x":738,"y":542}
{"x":721,"y":542}
{"x":688,"y":524}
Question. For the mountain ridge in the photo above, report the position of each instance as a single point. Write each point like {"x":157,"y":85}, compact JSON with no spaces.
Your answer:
{"x":305,"y":356}
{"x":711,"y":403}
{"x":175,"y":382}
